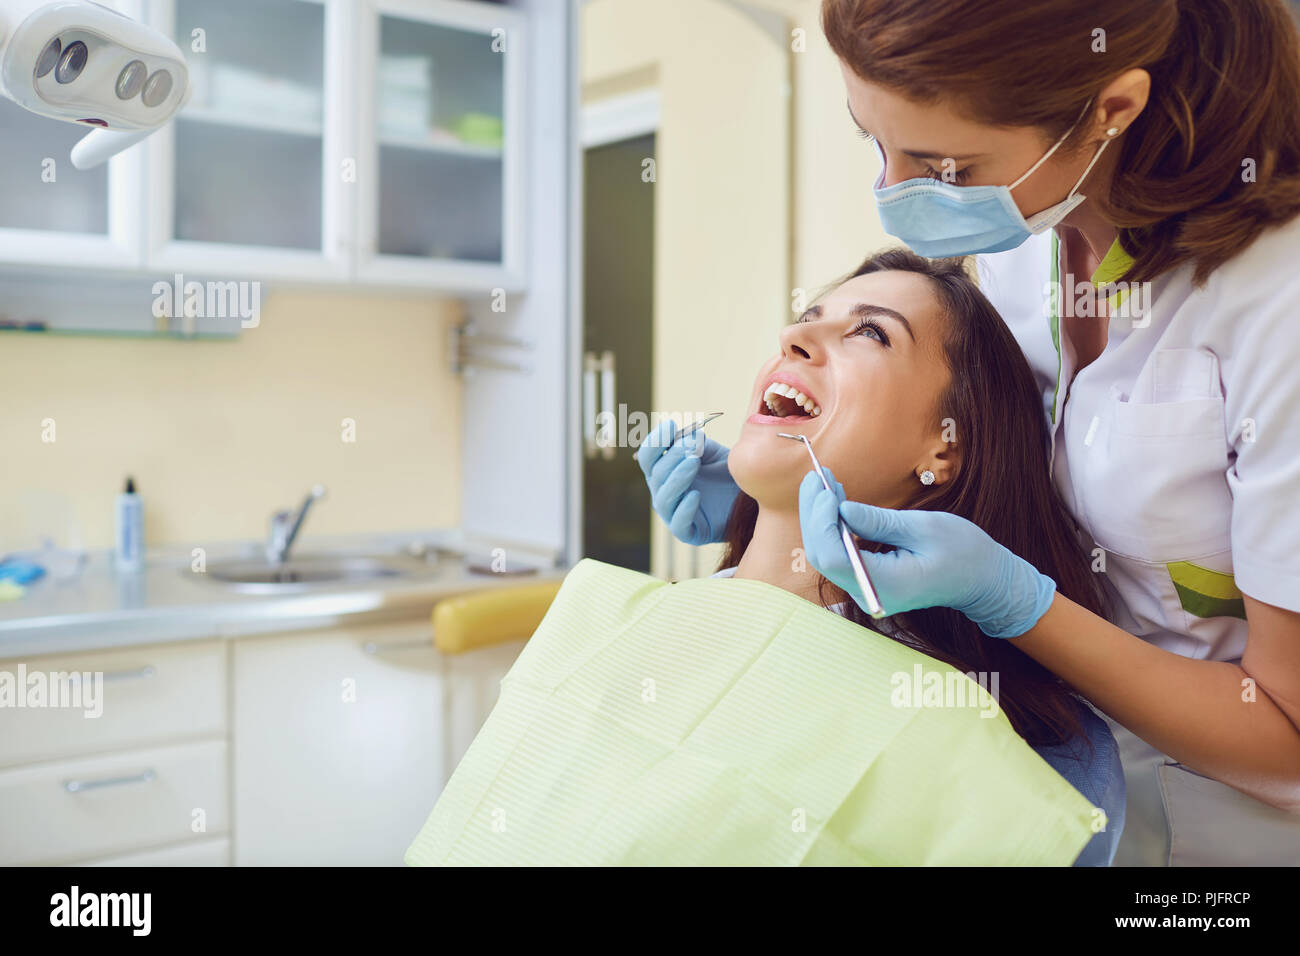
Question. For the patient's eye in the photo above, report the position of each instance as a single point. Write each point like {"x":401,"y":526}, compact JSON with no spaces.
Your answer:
{"x":865,"y":135}
{"x":871,"y":325}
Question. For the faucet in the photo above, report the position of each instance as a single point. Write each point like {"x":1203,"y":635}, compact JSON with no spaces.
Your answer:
{"x":285,"y":526}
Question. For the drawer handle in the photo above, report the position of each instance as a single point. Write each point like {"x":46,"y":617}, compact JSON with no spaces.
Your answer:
{"x":78,"y":786}
{"x":371,"y":647}
{"x":145,"y":671}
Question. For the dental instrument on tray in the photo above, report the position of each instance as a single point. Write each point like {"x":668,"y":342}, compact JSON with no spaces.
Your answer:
{"x":855,"y":559}
{"x":689,"y":429}
{"x":81,"y":62}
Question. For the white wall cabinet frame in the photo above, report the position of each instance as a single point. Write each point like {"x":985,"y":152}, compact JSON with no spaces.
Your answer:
{"x":329,"y":263}
{"x":143,"y":184}
{"x":120,"y":248}
{"x":453,"y":275}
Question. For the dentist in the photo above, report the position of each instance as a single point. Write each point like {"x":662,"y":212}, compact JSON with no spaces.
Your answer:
{"x":1154,"y":286}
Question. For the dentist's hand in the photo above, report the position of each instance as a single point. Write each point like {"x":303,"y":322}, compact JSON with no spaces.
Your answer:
{"x":941,"y":560}
{"x":690,"y":486}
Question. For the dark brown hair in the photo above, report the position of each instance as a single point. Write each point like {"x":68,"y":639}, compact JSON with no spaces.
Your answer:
{"x":1003,"y":485}
{"x":1225,"y":89}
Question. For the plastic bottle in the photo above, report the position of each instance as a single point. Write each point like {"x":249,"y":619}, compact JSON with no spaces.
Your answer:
{"x":129,"y":542}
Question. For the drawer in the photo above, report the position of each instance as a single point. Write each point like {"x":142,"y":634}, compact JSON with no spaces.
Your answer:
{"x":97,"y":806}
{"x":195,"y":853}
{"x":149,"y":695}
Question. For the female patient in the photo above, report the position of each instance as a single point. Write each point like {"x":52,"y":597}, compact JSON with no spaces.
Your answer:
{"x":907,"y":360}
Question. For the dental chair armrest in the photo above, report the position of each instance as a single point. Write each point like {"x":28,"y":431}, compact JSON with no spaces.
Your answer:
{"x":496,"y":615}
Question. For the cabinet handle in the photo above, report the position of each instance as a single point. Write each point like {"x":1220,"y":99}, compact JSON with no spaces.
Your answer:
{"x":371,"y":647}
{"x":146,"y":671}
{"x":78,"y":786}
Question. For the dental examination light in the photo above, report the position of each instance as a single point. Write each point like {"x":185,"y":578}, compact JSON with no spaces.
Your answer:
{"x":80,"y":62}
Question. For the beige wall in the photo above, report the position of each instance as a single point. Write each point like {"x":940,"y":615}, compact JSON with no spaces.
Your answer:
{"x":218,"y":434}
{"x":745,"y":213}
{"x":721,"y":240}
{"x":835,"y":220}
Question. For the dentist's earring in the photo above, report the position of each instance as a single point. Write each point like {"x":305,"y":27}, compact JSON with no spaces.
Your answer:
{"x":927,"y":477}
{"x":1113,"y":131}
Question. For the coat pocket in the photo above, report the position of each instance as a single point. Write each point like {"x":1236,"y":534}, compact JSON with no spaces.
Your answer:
{"x":1152,"y":479}
{"x":1211,"y":824}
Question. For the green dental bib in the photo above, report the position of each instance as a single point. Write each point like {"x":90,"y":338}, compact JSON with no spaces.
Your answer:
{"x":724,"y":721}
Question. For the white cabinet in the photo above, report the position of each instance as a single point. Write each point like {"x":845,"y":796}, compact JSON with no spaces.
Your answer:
{"x":298,"y":748}
{"x":112,"y":803}
{"x":345,"y":737}
{"x":245,"y":180}
{"x":440,"y":143}
{"x":131,"y":760}
{"x":325,"y":141}
{"x":147,"y":695}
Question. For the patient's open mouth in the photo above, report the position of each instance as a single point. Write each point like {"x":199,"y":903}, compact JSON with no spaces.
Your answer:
{"x":785,"y":402}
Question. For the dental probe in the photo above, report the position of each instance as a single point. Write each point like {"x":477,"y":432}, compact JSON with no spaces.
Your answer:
{"x":855,"y":559}
{"x":688,"y":429}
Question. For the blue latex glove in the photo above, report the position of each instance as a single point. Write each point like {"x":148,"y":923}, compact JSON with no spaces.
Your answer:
{"x":690,"y":486}
{"x":942,"y":561}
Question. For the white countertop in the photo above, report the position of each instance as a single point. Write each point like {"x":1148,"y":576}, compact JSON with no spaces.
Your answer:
{"x":167,"y":601}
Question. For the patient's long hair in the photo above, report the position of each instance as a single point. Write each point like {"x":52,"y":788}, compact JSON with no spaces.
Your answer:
{"x":1003,"y":485}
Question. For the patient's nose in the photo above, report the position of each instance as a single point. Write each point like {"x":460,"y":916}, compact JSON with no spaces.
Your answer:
{"x":801,"y":339}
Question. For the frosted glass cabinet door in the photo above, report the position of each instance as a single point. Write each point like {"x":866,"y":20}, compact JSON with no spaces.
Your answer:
{"x":242,"y":164}
{"x":40,"y":188}
{"x":439,"y":119}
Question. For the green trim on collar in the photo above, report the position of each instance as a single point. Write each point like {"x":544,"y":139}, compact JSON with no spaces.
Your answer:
{"x":1115,"y":263}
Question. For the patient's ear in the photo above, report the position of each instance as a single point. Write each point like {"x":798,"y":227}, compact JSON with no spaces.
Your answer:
{"x":944,"y":458}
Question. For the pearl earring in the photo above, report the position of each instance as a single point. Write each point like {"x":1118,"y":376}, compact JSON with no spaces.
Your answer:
{"x":927,"y":477}
{"x":1113,"y":131}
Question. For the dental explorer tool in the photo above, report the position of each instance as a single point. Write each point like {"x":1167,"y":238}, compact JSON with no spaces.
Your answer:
{"x":688,"y":429}
{"x":855,"y":559}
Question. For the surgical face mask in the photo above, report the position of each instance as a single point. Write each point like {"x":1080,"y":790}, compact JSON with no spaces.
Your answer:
{"x":938,"y":219}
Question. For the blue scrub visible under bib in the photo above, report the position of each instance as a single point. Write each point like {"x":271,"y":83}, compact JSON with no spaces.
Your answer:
{"x":1099,"y":776}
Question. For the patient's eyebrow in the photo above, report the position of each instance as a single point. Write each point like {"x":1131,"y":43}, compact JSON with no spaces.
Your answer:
{"x":862,"y":310}
{"x":918,"y":154}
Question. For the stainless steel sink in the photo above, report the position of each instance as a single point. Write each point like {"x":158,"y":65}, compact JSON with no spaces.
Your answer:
{"x":304,"y":571}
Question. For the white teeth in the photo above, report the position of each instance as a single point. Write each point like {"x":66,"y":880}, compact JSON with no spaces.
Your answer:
{"x":790,"y":392}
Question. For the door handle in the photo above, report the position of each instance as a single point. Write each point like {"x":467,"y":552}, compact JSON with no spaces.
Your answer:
{"x":590,"y":364}
{"x":608,"y":432}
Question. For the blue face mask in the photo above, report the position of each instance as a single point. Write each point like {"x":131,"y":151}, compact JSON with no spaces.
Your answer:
{"x":938,"y":219}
